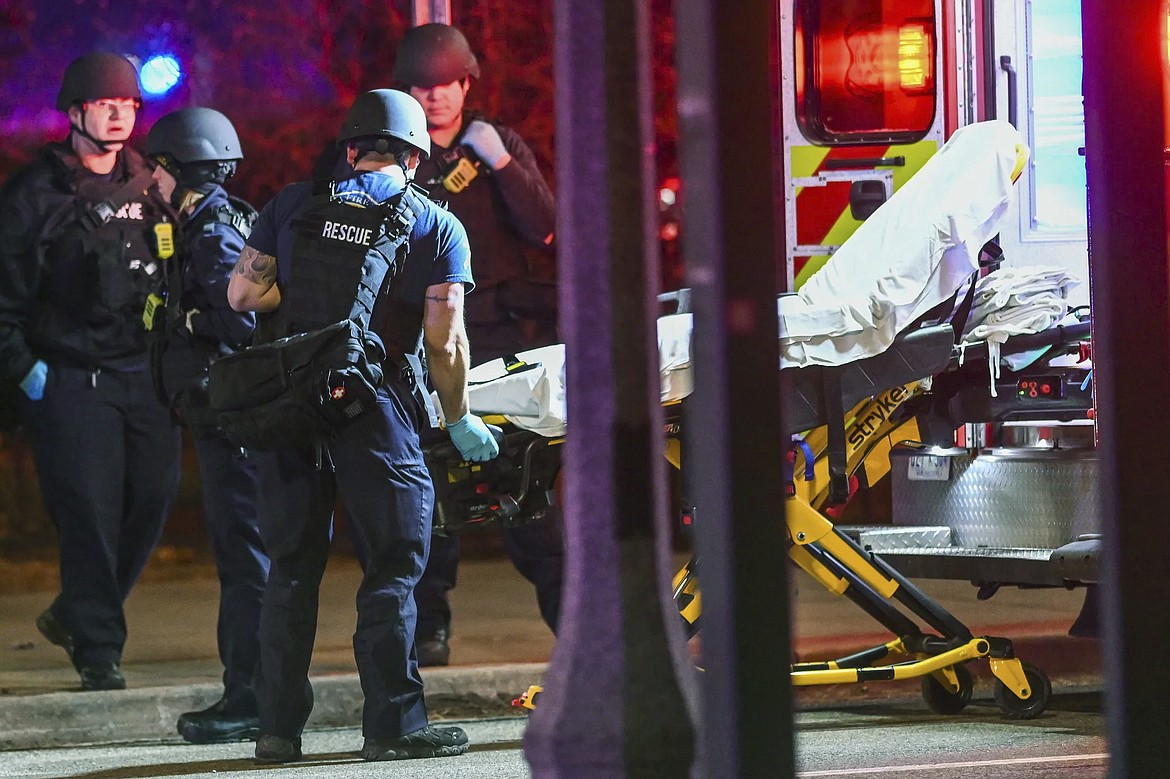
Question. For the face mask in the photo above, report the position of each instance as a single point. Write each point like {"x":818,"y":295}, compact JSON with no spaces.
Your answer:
{"x":399,"y":175}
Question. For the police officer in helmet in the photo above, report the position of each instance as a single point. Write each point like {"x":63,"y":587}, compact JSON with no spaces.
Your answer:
{"x":84,"y":236}
{"x":508,"y":211}
{"x":197,"y":150}
{"x":375,"y":463}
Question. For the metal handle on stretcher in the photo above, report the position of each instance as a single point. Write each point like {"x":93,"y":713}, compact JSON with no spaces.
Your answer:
{"x":681,"y":298}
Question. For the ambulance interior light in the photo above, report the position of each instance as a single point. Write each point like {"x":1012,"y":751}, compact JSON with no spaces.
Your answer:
{"x":865,"y":70}
{"x":883,"y":58}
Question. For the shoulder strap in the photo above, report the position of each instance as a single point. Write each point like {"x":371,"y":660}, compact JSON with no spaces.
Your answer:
{"x":393,"y":245}
{"x":237,"y":214}
{"x":402,"y":321}
{"x":101,"y":213}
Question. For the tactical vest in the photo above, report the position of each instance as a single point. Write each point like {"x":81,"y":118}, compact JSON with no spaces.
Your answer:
{"x":179,"y":360}
{"x":237,"y":214}
{"x":342,"y":255}
{"x":115,"y":244}
{"x":324,"y":366}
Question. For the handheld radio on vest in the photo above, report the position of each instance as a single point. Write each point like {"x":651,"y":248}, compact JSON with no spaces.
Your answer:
{"x":458,"y":167}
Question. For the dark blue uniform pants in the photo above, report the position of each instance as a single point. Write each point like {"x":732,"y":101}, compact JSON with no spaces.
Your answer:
{"x":377,"y":469}
{"x":537,"y":550}
{"x":107,"y":456}
{"x":230,"y":486}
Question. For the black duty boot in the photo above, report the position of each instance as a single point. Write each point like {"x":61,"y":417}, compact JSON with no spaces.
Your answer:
{"x":433,"y":650}
{"x":102,"y":676}
{"x":276,"y":749}
{"x":425,"y":742}
{"x":54,"y":632}
{"x":219,"y":723}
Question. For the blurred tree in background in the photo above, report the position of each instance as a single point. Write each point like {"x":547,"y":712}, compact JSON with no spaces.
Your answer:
{"x":284,"y":72}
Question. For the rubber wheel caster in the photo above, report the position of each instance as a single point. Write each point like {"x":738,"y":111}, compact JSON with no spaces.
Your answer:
{"x":1017,"y":708}
{"x":940,"y":700}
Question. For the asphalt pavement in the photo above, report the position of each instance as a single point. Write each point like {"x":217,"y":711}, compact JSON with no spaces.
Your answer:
{"x":499,"y":647}
{"x":879,"y":741}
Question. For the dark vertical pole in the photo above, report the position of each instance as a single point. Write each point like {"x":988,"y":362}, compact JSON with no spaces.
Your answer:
{"x":427,"y":11}
{"x":1125,"y":136}
{"x":612,"y":705}
{"x":727,"y":118}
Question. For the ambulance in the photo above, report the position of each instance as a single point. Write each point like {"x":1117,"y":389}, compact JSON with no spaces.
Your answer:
{"x":870,"y":89}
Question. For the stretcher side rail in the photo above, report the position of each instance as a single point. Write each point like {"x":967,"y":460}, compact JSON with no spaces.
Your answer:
{"x":990,"y":568}
{"x":913,"y":355}
{"x":960,"y":394}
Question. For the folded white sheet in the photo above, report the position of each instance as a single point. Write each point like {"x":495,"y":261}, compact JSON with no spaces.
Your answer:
{"x":532,"y":399}
{"x":1016,"y":301}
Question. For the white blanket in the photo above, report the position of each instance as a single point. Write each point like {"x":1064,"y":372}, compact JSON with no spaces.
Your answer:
{"x":911,"y":255}
{"x":533,"y":398}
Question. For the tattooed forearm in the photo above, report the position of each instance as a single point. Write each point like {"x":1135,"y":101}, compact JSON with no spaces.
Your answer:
{"x":256,"y":267}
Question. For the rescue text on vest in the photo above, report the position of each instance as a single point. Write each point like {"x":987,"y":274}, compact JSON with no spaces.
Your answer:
{"x":339,"y":231}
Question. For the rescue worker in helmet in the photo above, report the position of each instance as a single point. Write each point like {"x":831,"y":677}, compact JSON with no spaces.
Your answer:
{"x":375,"y":463}
{"x":197,"y":150}
{"x":507,"y":208}
{"x":84,"y":236}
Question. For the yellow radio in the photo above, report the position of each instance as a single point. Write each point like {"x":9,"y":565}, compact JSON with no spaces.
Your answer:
{"x":164,"y":240}
{"x":152,"y":314}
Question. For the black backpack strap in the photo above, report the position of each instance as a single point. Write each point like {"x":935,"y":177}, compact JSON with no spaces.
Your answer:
{"x":838,"y":453}
{"x":401,"y":212}
{"x":414,"y":374}
{"x":410,"y":206}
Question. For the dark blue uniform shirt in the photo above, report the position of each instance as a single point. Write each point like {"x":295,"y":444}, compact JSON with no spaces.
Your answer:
{"x":212,"y":248}
{"x":436,"y":232}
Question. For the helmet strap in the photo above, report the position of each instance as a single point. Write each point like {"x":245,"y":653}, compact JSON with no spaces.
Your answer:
{"x":103,"y":146}
{"x":403,"y":160}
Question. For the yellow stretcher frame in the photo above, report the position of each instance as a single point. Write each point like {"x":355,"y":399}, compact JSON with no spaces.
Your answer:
{"x":874,"y":429}
{"x":843,"y":568}
{"x":1022,"y":691}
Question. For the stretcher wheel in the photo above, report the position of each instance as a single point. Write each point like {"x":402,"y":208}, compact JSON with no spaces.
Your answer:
{"x":1015,"y":708}
{"x":940,"y":700}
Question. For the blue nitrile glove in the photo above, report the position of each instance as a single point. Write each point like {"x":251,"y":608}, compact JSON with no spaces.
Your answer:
{"x":485,"y":141}
{"x":472,"y":438}
{"x":33,"y":382}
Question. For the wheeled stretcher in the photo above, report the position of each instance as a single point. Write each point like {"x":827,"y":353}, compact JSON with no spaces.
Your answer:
{"x":848,"y":398}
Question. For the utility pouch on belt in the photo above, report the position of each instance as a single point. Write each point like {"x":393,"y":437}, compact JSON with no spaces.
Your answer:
{"x":295,"y":391}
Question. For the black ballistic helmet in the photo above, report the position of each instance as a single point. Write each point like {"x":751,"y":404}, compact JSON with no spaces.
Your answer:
{"x":387,"y":113}
{"x":96,"y":75}
{"x":194,"y":135}
{"x":434,"y":54}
